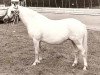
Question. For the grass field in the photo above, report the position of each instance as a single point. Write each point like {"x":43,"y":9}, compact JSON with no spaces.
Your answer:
{"x":17,"y":54}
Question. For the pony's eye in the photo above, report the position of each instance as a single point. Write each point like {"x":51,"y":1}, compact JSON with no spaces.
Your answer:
{"x":12,"y":11}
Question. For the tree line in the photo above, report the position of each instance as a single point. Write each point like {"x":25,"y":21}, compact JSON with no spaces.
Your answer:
{"x":58,"y":3}
{"x":64,"y":3}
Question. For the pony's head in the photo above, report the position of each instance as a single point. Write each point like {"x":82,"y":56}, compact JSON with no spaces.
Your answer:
{"x":10,"y":12}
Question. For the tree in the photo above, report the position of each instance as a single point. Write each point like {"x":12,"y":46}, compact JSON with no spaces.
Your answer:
{"x":7,"y":2}
{"x":49,"y":3}
{"x":1,"y":1}
{"x":56,"y":3}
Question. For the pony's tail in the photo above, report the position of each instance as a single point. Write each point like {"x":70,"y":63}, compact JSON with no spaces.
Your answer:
{"x":85,"y":42}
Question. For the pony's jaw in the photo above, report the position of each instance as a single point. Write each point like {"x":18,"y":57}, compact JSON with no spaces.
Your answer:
{"x":6,"y":18}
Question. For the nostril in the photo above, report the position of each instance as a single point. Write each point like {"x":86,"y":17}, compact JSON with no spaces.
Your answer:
{"x":4,"y":20}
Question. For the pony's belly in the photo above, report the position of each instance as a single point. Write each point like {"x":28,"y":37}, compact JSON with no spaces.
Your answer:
{"x":55,"y":35}
{"x":54,"y":40}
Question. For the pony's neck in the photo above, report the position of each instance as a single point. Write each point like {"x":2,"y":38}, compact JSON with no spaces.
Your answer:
{"x":29,"y":15}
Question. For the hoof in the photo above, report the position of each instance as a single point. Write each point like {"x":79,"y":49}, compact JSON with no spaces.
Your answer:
{"x":74,"y":64}
{"x":35,"y":63}
{"x":85,"y":69}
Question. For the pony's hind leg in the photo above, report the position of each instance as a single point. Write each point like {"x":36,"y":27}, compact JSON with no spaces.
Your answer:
{"x":36,"y":46}
{"x":83,"y":52}
{"x":76,"y":53}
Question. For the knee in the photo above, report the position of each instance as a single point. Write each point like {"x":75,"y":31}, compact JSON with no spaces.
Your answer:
{"x":84,"y":54}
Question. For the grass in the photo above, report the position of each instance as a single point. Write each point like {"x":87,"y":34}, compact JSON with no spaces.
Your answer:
{"x":17,"y":54}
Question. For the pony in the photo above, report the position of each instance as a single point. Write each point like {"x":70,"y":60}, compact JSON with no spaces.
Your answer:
{"x":41,"y":28}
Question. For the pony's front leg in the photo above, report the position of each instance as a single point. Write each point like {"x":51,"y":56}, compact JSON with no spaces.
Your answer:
{"x":36,"y":46}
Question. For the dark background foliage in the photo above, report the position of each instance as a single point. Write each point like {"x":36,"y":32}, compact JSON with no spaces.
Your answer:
{"x":58,"y":3}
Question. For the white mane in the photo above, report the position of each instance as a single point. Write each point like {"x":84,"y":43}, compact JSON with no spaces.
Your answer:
{"x":30,"y":12}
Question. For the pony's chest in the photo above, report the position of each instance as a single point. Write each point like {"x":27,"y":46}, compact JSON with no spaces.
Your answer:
{"x":34,"y":32}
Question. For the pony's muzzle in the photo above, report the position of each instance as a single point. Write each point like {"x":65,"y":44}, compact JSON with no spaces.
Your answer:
{"x":6,"y":18}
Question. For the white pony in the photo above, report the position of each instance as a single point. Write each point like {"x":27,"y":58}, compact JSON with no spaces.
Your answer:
{"x":41,"y":28}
